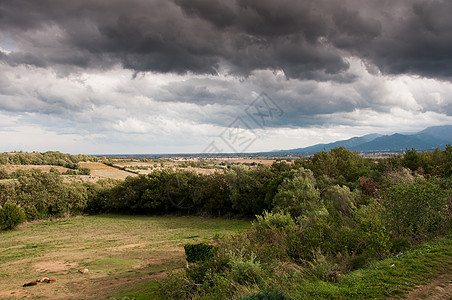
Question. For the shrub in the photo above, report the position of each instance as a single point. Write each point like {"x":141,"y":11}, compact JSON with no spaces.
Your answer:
{"x":198,"y":252}
{"x":11,"y":215}
{"x":274,"y":220}
{"x":297,"y":195}
{"x":245,"y":269}
{"x":274,"y":294}
{"x":373,"y":235}
{"x":322,"y":267}
{"x":342,"y":200}
{"x":417,"y":210}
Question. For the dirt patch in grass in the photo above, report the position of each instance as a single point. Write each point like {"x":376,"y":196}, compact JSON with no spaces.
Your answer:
{"x":126,"y":247}
{"x":441,"y":288}
{"x":120,"y":252}
{"x":59,"y":266}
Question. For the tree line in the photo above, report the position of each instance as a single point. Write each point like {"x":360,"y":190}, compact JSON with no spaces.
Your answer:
{"x":336,"y":185}
{"x":54,"y":158}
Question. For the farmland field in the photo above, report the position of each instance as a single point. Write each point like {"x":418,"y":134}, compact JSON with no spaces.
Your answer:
{"x":122,"y":253}
{"x":103,"y":171}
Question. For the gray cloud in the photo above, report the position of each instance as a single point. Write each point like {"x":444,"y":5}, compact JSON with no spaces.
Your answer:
{"x":305,"y":39}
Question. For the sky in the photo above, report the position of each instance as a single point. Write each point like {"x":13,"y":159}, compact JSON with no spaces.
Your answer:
{"x":192,"y":76}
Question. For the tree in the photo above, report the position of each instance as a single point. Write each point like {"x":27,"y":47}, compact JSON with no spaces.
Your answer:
{"x":298,"y":195}
{"x":11,"y":215}
{"x":248,"y":188}
{"x":417,"y":209}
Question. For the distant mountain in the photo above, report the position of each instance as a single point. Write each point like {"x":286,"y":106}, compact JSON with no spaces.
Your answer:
{"x":440,"y":132}
{"x":350,"y":143}
{"x":427,"y":139}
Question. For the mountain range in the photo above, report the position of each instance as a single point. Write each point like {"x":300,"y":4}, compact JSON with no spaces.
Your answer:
{"x":427,"y":139}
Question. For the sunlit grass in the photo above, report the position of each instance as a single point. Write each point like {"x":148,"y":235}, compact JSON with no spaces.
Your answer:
{"x":119,"y":251}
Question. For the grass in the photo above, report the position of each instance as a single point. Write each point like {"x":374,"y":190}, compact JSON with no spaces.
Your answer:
{"x":391,"y":277}
{"x":123,"y":253}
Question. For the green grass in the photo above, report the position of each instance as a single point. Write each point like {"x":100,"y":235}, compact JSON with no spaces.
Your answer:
{"x":123,"y":253}
{"x":390,"y":277}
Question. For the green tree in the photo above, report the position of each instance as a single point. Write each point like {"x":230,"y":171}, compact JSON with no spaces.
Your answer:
{"x":248,"y":188}
{"x":11,"y":215}
{"x":418,"y":209}
{"x":298,"y":195}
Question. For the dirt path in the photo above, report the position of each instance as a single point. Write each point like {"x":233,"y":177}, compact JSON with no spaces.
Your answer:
{"x":441,"y":288}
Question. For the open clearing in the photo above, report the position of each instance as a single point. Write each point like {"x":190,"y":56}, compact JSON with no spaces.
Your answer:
{"x":122,"y":253}
{"x":103,"y":171}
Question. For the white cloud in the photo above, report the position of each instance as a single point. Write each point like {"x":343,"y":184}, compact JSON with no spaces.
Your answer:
{"x":114,"y":111}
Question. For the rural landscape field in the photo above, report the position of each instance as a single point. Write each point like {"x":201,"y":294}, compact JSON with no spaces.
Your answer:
{"x":328,"y":226}
{"x":123,"y":254}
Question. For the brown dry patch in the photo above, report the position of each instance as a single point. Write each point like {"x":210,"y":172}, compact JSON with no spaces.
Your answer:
{"x":96,"y":288}
{"x":441,"y":288}
{"x":80,"y":178}
{"x":103,"y":171}
{"x":18,"y":293}
{"x":95,"y":166}
{"x":129,"y":246}
{"x":59,"y":266}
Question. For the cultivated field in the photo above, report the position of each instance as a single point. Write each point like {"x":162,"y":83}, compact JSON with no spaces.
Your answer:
{"x":123,"y":254}
{"x":103,"y":171}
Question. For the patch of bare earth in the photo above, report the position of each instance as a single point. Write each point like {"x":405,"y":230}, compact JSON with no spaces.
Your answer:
{"x":59,"y":266}
{"x":441,"y":288}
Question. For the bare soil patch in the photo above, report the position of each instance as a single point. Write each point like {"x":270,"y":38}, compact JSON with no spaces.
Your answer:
{"x":59,"y":266}
{"x":441,"y":288}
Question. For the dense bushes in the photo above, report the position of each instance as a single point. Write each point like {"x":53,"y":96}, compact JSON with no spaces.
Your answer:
{"x":319,"y":227}
{"x":10,"y":216}
{"x":47,"y":158}
{"x":198,"y":252}
{"x":417,"y":210}
{"x":44,"y":195}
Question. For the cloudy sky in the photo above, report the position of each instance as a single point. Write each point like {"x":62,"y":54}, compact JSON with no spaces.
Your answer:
{"x":172,"y":76}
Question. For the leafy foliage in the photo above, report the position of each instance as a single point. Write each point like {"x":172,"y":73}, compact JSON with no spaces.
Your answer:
{"x":266,"y":294}
{"x":418,"y":209}
{"x":47,"y":158}
{"x":11,"y":215}
{"x":198,"y":252}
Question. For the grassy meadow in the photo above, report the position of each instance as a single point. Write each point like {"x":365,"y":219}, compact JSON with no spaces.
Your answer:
{"x":122,"y":253}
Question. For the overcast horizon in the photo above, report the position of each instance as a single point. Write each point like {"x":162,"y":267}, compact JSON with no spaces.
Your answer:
{"x":174,"y":76}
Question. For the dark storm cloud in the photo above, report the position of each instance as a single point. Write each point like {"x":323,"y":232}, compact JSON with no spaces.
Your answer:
{"x":304,"y":39}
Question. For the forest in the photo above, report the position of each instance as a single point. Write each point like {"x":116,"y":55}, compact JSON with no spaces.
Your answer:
{"x":321,"y":217}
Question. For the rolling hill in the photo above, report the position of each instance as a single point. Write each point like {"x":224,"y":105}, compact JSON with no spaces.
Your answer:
{"x":427,"y":139}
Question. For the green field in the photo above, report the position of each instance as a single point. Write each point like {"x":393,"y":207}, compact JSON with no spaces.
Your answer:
{"x":123,"y":254}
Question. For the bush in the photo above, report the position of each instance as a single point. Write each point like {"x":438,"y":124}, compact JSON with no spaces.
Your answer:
{"x":198,"y":252}
{"x":372,"y":234}
{"x":322,"y":267}
{"x":274,"y":220}
{"x":245,"y":269}
{"x":274,"y":294}
{"x":341,"y":200}
{"x":297,"y":195}
{"x":11,"y":215}
{"x":417,"y":210}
